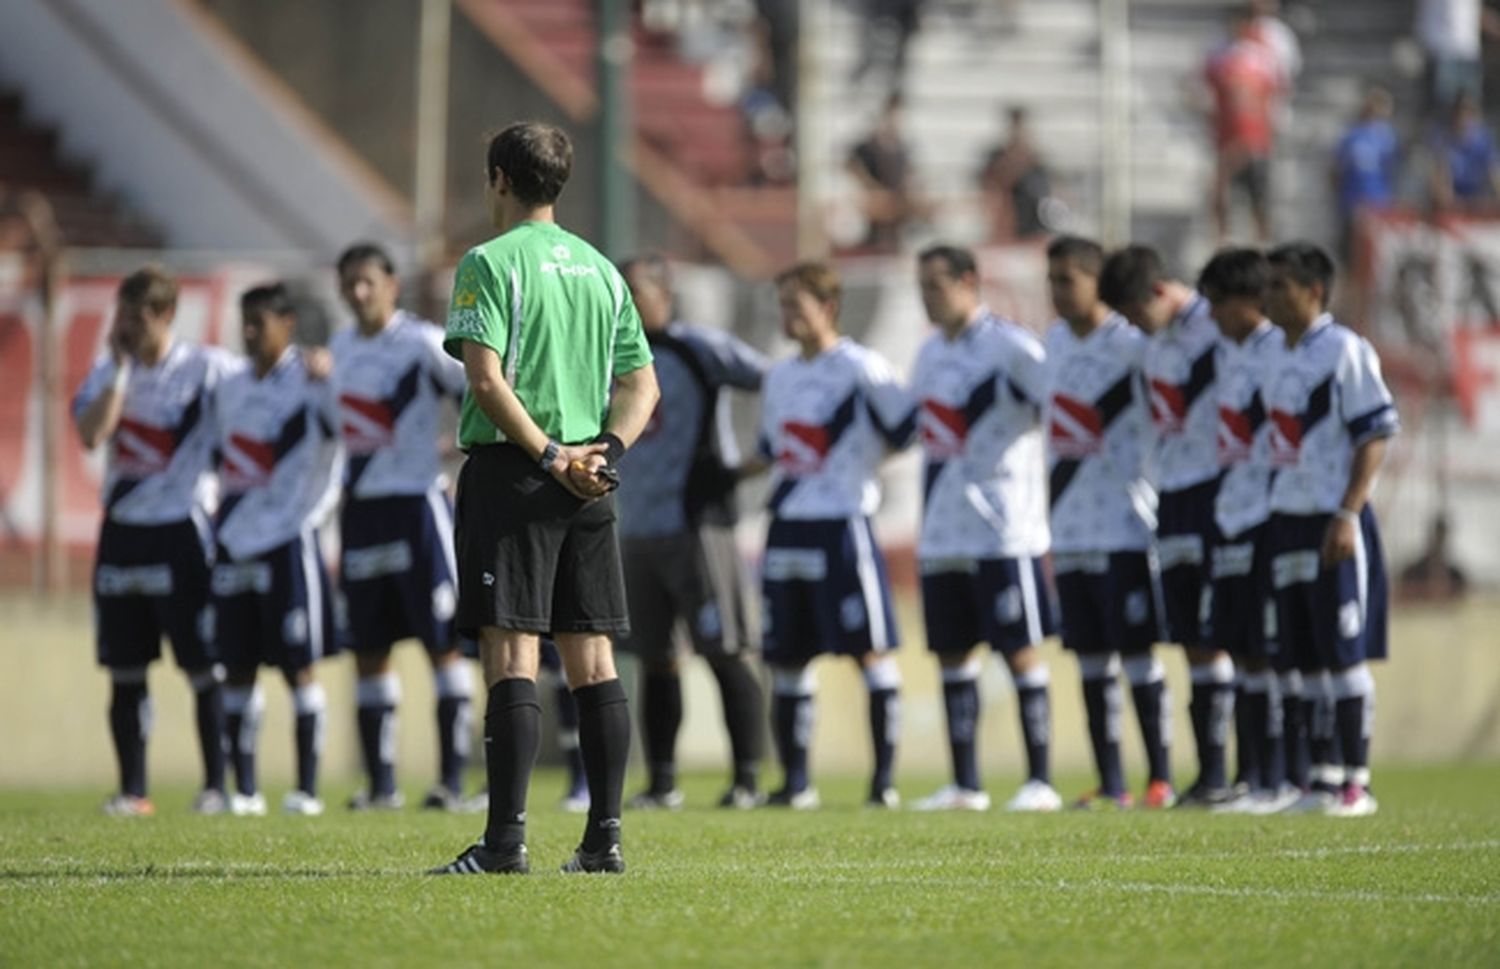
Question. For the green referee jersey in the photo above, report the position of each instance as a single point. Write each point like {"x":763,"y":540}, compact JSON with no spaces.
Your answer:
{"x":559,"y":316}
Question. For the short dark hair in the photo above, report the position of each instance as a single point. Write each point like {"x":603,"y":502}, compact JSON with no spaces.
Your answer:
{"x":653,"y":263}
{"x":958,"y":259}
{"x":271,"y":298}
{"x":818,"y":279}
{"x":362,"y":252}
{"x":1235,"y":273}
{"x":1306,"y":263}
{"x":1130,"y":275}
{"x":151,"y":288}
{"x":1086,"y":254}
{"x":536,"y":158}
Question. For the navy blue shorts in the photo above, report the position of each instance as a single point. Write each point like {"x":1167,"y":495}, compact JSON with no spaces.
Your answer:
{"x":151,"y":580}
{"x":1185,"y":531}
{"x":275,"y":609}
{"x":1243,"y":610}
{"x":1328,"y":618}
{"x":826,"y":591}
{"x":1008,"y":603}
{"x":396,"y":571}
{"x":1108,"y":601}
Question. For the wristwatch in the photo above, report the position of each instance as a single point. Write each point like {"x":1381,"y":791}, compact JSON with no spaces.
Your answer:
{"x":549,"y":454}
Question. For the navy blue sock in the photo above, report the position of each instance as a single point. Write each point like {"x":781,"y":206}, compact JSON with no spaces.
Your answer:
{"x":453,"y":725}
{"x":661,"y":719}
{"x":209,"y":711}
{"x":885,"y":729}
{"x":1354,"y":740}
{"x":961,"y":701}
{"x":1211,"y":713}
{"x":1102,"y":700}
{"x":744,"y":717}
{"x":1296,"y":750}
{"x":377,"y":740}
{"x":128,"y":719}
{"x":1150,"y":709}
{"x":792,"y":719}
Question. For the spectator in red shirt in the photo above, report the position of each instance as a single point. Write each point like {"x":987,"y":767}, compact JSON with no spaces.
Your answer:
{"x":1245,"y":77}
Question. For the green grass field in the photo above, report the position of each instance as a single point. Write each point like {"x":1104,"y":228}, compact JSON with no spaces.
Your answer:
{"x":1419,"y":883}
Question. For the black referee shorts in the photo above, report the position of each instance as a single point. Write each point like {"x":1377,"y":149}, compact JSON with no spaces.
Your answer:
{"x":531,"y":557}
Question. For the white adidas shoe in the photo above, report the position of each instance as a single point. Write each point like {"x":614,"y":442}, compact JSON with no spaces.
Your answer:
{"x":1313,"y":802}
{"x":301,"y":803}
{"x":247,"y":805}
{"x":953,"y":798}
{"x":1356,"y":802}
{"x":1035,"y":796}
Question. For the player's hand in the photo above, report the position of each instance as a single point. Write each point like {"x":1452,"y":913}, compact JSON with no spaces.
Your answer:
{"x":318,"y":363}
{"x":121,"y":346}
{"x":1338,"y":541}
{"x":574,"y":468}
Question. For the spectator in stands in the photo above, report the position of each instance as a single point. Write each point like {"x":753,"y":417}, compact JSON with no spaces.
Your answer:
{"x":882,"y":165}
{"x":889,"y":26}
{"x":1279,"y":38}
{"x":768,"y":118}
{"x":1433,"y":575}
{"x":1016,"y":183}
{"x":1364,"y":165}
{"x":1451,"y":33}
{"x":1245,"y":79}
{"x":1465,"y":165}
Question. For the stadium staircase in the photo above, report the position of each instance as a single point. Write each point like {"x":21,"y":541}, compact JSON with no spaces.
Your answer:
{"x":690,"y":153}
{"x":86,"y":217}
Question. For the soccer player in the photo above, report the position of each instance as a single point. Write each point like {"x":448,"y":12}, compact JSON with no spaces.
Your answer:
{"x":279,"y":462}
{"x":830,"y":415}
{"x":677,"y":516}
{"x":982,"y":384}
{"x":1181,"y":365}
{"x":1102,"y":512}
{"x":560,"y":383}
{"x":1234,"y":282}
{"x":150,"y":399}
{"x":1331,"y":416}
{"x":396,"y":528}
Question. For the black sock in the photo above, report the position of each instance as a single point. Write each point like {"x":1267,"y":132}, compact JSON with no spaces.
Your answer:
{"x":1102,"y":699}
{"x":1273,"y":771}
{"x":377,"y":741}
{"x":310,"y":706}
{"x":129,"y":720}
{"x":961,"y":702}
{"x":792,"y":723}
{"x":744,"y":717}
{"x":1294,"y":740}
{"x":661,"y":718}
{"x":1250,"y":725}
{"x":1036,"y":730}
{"x":885,"y":729}
{"x":567,"y":738}
{"x":512,"y":734}
{"x":209,"y":709}
{"x":604,"y":739}
{"x":453,"y":724}
{"x":1150,"y":700}
{"x":1321,"y":737}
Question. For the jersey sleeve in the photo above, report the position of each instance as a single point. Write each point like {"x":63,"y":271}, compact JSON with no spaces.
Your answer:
{"x":447,"y":371}
{"x":765,"y":435}
{"x":99,"y":376}
{"x":328,"y":464}
{"x":1027,"y":378}
{"x":730,"y":361}
{"x":479,"y":311}
{"x":632,"y":352}
{"x":891,"y":406}
{"x":1365,"y":405}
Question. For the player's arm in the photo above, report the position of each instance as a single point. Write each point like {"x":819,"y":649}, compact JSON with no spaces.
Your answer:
{"x":99,"y":417}
{"x":1343,"y":528}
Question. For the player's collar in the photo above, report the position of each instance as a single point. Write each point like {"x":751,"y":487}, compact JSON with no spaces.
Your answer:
{"x":1189,"y":309}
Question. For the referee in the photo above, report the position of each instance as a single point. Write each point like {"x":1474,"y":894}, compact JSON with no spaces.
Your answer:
{"x":543,"y":324}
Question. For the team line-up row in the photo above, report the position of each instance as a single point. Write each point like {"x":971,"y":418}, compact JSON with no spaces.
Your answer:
{"x":1169,"y":463}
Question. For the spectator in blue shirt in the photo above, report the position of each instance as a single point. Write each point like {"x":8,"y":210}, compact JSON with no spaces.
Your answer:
{"x":1364,"y":165}
{"x":1466,"y":169}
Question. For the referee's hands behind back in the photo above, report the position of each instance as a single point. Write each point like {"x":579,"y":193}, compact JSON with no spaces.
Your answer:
{"x":576,"y":468}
